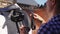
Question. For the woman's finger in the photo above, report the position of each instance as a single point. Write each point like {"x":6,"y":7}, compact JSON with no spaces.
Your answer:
{"x":35,"y":17}
{"x":21,"y":26}
{"x":35,"y":14}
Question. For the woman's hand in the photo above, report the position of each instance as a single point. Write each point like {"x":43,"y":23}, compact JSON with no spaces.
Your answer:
{"x":24,"y":30}
{"x":36,"y":16}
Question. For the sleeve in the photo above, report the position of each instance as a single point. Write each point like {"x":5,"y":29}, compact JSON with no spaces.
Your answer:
{"x":45,"y":29}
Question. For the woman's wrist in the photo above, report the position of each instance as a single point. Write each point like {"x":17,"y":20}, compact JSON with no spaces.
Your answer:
{"x":42,"y":20}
